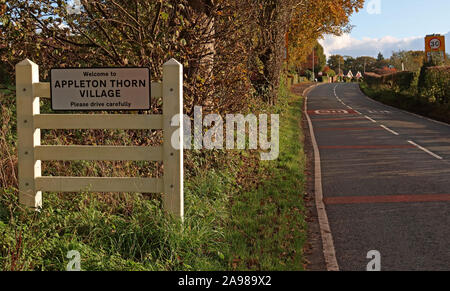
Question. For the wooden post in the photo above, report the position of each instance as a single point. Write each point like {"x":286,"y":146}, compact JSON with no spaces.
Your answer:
{"x":173,"y":198}
{"x":27,"y":73}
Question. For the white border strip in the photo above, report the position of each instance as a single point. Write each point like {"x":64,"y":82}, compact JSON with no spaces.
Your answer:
{"x":327,"y":238}
{"x":426,"y":150}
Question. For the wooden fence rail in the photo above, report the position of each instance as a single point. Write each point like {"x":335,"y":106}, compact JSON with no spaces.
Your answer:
{"x":31,"y":153}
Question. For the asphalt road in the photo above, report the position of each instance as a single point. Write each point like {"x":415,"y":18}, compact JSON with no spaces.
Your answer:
{"x":386,"y":181}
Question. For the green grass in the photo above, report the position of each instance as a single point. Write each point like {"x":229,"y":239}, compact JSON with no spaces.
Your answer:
{"x":409,"y":102}
{"x":268,"y":228}
{"x":240,"y":213}
{"x":116,"y":232}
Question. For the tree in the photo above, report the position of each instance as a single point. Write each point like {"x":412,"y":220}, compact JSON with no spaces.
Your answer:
{"x":319,"y":60}
{"x":313,"y":19}
{"x":360,"y":64}
{"x":380,"y":57}
{"x":270,"y":24}
{"x":331,"y":73}
{"x":140,"y":33}
{"x":335,"y":62}
{"x":365,"y":64}
{"x":222,"y":44}
{"x":411,"y":60}
{"x":349,"y":63}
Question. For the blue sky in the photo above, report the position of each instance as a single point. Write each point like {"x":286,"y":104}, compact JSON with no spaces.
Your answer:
{"x":394,"y":25}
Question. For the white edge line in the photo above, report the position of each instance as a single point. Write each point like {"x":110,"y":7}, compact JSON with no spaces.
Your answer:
{"x":371,"y":119}
{"x":325,"y":230}
{"x":425,"y":150}
{"x":390,"y":130}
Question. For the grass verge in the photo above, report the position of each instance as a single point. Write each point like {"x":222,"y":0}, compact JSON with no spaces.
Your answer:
{"x":267,"y":228}
{"x":241,"y":214}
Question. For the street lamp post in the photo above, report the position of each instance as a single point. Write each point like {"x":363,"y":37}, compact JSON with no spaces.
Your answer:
{"x":339,"y":71}
{"x":313,"y":70}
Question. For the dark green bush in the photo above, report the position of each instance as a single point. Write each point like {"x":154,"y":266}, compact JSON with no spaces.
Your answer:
{"x":434,"y":83}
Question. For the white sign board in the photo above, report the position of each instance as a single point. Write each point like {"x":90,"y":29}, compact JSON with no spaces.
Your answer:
{"x":435,"y":43}
{"x":90,"y":89}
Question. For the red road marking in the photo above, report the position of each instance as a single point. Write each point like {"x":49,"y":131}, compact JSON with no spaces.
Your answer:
{"x":332,"y":112}
{"x":338,"y":119}
{"x":387,"y":199}
{"x":348,"y":128}
{"x":369,"y":147}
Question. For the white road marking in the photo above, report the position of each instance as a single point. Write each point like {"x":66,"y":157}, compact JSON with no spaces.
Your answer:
{"x":327,"y":238}
{"x":390,"y":130}
{"x":343,"y":103}
{"x":328,"y":112}
{"x":426,"y":150}
{"x":374,"y":121}
{"x":380,"y":112}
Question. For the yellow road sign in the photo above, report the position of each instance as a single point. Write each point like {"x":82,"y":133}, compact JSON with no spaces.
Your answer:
{"x":435,"y":46}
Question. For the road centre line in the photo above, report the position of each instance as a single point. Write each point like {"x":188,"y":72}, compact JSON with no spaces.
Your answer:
{"x":426,"y":150}
{"x":374,"y":121}
{"x":390,"y":130}
{"x":340,"y":100}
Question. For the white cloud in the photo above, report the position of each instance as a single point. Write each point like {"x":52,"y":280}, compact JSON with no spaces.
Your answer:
{"x":347,"y":45}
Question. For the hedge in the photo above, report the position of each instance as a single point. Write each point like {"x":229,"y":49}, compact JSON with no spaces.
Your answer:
{"x":401,"y":80}
{"x":435,"y":82}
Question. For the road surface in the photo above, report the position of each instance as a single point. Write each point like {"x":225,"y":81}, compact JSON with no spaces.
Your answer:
{"x":385,"y":181}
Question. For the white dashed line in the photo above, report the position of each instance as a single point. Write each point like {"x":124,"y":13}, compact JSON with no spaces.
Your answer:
{"x":343,"y":103}
{"x":425,"y":150}
{"x":374,"y":121}
{"x":390,"y":130}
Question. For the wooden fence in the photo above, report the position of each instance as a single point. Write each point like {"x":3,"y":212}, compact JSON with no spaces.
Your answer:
{"x":31,"y":152}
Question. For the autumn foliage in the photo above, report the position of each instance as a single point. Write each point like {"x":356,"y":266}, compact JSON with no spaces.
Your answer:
{"x":312,"y":19}
{"x":232,"y":51}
